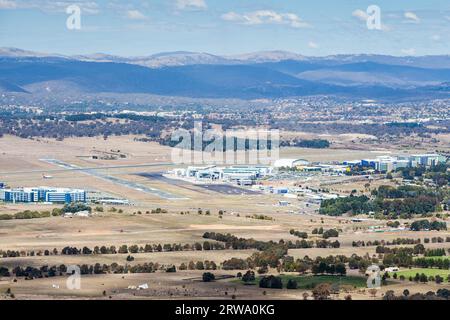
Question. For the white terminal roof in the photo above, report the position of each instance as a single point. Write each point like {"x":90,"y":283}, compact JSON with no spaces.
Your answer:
{"x":289,"y":162}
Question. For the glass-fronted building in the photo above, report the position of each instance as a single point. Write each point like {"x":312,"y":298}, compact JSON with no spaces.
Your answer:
{"x":43,"y":194}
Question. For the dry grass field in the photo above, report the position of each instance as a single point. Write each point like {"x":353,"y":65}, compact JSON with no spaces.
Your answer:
{"x":21,"y":165}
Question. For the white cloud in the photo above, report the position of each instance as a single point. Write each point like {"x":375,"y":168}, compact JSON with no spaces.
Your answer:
{"x":135,"y":15}
{"x":191,"y":4}
{"x":313,"y":45}
{"x":411,"y":17}
{"x":409,"y":52}
{"x":87,"y":6}
{"x":7,"y":4}
{"x":231,"y":16}
{"x":436,"y":37}
{"x":266,"y":17}
{"x":364,"y":16}
{"x":360,"y":14}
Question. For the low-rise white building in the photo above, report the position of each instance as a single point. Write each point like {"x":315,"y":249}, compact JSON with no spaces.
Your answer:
{"x":290,"y":163}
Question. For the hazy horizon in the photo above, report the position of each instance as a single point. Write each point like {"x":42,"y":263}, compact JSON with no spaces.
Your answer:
{"x":224,"y":55}
{"x":139,"y":28}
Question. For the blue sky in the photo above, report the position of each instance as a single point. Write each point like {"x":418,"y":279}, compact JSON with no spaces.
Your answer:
{"x":314,"y":28}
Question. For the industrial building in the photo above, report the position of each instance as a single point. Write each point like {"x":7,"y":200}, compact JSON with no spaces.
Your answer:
{"x":43,"y":194}
{"x":290,"y":163}
{"x":392,"y":163}
{"x":428,"y":159}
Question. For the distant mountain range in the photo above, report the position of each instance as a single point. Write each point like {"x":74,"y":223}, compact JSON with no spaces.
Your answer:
{"x":270,"y":74}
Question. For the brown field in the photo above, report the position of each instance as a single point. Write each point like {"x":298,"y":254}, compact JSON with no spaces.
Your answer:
{"x":180,"y":285}
{"x":21,"y":166}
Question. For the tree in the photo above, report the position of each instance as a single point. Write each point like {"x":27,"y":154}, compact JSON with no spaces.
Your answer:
{"x":423,"y":278}
{"x":133,"y":249}
{"x":208,"y":277}
{"x":86,"y":250}
{"x":206,"y":245}
{"x":340,"y":269}
{"x":182,"y":266}
{"x":4,"y":272}
{"x":419,"y":249}
{"x":171,"y":269}
{"x":330,"y":233}
{"x":438,"y":279}
{"x":322,"y":291}
{"x":291,"y":284}
{"x":98,"y":269}
{"x":123,"y":249}
{"x":271,"y":282}
{"x":249,"y":276}
{"x":389,"y":295}
{"x":199,"y":265}
{"x":263,"y":270}
{"x":302,"y":267}
{"x":443,"y":293}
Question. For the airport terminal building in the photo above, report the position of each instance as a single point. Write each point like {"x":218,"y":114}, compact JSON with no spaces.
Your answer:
{"x":241,"y":175}
{"x":43,"y":194}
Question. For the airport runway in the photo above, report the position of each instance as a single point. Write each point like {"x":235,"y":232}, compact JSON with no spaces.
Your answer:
{"x":222,"y":188}
{"x":76,"y":168}
{"x":125,"y":183}
{"x":227,"y":189}
{"x":178,"y":183}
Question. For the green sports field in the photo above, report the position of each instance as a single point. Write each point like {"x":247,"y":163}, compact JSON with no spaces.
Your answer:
{"x":427,"y":271}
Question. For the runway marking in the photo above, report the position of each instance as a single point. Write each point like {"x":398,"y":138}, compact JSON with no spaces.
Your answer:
{"x":122,"y":182}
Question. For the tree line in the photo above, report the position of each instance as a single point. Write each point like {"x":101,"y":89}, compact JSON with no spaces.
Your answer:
{"x":440,"y":294}
{"x":123,"y":249}
{"x":234,"y":242}
{"x":398,"y":241}
{"x":387,"y":202}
